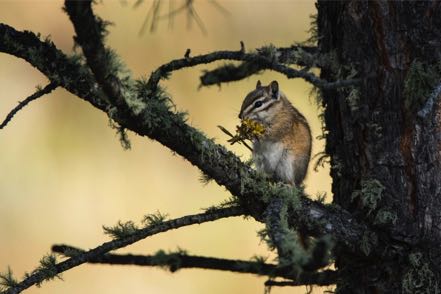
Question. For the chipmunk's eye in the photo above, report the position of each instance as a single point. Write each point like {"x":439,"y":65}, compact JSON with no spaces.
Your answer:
{"x":258,"y":104}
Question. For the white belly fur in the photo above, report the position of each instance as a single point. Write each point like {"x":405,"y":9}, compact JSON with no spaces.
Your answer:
{"x":274,"y":160}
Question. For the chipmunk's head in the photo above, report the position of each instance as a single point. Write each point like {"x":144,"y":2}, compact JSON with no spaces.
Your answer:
{"x":261,"y":104}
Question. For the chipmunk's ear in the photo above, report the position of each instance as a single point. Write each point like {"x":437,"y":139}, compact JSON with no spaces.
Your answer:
{"x":274,"y":89}
{"x":258,"y":85}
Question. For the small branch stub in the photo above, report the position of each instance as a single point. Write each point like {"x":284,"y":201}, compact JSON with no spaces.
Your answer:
{"x":187,"y":54}
{"x":242,"y":47}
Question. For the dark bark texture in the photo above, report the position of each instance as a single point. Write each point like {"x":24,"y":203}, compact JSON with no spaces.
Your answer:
{"x":383,"y":139}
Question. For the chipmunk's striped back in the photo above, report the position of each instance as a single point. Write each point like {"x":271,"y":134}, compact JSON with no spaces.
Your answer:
{"x":285,"y":149}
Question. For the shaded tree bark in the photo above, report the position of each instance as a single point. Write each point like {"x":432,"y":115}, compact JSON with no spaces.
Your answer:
{"x":383,"y":139}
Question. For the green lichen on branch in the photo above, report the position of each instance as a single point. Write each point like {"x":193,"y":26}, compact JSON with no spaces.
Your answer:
{"x":279,"y":236}
{"x":419,"y":278}
{"x":385,"y":217}
{"x":46,"y":271}
{"x":270,"y":52}
{"x":313,"y":30}
{"x":230,"y":202}
{"x":353,"y":99}
{"x":290,"y":252}
{"x":420,"y":81}
{"x":369,"y":195}
{"x":48,"y":268}
{"x":154,"y":219}
{"x":159,"y":111}
{"x":169,"y":260}
{"x":121,"y":229}
{"x":205,"y":179}
{"x":368,"y":242}
{"x":7,"y":280}
{"x":127,"y":85}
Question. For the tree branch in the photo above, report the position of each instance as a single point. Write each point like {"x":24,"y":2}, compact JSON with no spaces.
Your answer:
{"x":230,"y":73}
{"x":68,"y":72}
{"x":39,"y":276}
{"x":258,"y":60}
{"x":180,"y":260}
{"x":46,"y":90}
{"x":158,"y":122}
{"x":90,"y":32}
{"x":320,"y":282}
{"x":296,"y":54}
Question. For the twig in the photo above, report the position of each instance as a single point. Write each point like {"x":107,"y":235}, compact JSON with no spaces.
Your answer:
{"x":147,"y":16}
{"x":140,"y":234}
{"x":323,"y":278}
{"x":177,"y":261}
{"x":192,"y":12}
{"x":219,"y":7}
{"x":171,"y":18}
{"x":176,"y":11}
{"x":156,"y":6}
{"x":232,"y":136}
{"x":154,"y":11}
{"x":46,"y":90}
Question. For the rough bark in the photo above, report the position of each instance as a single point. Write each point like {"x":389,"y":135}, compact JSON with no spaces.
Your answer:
{"x":383,"y":139}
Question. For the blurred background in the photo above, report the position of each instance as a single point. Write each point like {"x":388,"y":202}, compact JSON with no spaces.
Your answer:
{"x":64,"y":173}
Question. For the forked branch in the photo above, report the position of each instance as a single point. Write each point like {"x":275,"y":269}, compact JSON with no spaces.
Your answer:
{"x":181,"y":260}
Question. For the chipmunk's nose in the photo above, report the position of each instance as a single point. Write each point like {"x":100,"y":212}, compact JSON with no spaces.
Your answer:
{"x":240,"y":115}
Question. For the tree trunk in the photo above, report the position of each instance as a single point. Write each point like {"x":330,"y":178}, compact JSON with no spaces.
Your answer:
{"x":383,"y":139}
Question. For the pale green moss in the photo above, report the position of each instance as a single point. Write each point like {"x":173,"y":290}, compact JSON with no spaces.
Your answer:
{"x":420,"y":80}
{"x":121,"y":229}
{"x":47,"y":268}
{"x":419,"y":278}
{"x":368,"y":242}
{"x":7,"y":280}
{"x":384,"y":217}
{"x":154,"y":219}
{"x":369,"y":195}
{"x":353,"y":99}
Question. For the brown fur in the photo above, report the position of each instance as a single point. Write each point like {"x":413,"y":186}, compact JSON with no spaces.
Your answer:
{"x":291,"y":127}
{"x":283,"y":123}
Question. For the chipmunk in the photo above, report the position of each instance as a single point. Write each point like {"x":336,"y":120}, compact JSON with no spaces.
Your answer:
{"x":284,"y":150}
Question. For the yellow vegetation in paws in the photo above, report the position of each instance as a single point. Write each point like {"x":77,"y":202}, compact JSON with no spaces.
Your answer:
{"x":247,"y":130}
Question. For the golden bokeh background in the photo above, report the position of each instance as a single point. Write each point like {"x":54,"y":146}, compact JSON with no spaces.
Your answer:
{"x":64,"y":173}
